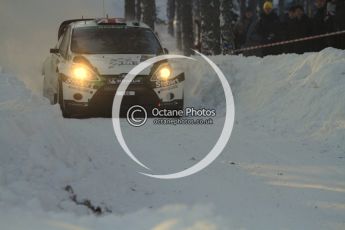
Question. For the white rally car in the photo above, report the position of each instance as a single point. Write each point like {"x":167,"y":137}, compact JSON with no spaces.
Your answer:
{"x":92,"y":57}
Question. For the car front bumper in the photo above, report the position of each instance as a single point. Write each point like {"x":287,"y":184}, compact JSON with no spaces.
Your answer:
{"x":98,"y":97}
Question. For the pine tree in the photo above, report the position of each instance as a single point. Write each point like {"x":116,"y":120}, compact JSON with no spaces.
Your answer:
{"x":149,"y":12}
{"x":171,"y":16}
{"x":187,"y":26}
{"x":227,"y":22}
{"x":210,"y":27}
{"x":130,"y":9}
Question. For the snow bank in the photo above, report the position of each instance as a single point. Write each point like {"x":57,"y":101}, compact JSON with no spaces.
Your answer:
{"x":278,"y":99}
{"x":286,"y":94}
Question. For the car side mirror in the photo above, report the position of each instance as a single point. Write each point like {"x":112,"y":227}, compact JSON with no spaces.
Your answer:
{"x":54,"y":51}
{"x":166,"y":51}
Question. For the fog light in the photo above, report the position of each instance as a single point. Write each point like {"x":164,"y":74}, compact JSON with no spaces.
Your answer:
{"x":172,"y":96}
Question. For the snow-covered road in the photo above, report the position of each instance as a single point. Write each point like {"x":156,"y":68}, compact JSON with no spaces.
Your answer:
{"x":283,"y":168}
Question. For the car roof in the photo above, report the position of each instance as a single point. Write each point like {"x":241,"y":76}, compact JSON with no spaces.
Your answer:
{"x":89,"y":22}
{"x":94,"y":23}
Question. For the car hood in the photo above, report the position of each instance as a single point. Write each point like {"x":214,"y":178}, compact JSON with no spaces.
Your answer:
{"x":114,"y":64}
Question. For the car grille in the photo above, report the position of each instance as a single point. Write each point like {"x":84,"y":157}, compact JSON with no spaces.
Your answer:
{"x":117,"y":79}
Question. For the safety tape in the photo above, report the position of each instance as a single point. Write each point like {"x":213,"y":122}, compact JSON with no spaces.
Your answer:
{"x":288,"y":41}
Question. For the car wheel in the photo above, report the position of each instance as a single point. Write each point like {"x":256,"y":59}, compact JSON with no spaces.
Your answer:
{"x":180,"y":105}
{"x":64,"y":109}
{"x":48,"y":94}
{"x":45,"y":89}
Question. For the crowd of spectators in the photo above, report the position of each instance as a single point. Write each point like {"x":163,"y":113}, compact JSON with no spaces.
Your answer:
{"x":267,"y":28}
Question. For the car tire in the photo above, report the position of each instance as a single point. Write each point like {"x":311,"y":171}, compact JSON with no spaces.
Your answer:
{"x":51,"y":97}
{"x":66,"y":113}
{"x":45,"y":89}
{"x":180,"y":106}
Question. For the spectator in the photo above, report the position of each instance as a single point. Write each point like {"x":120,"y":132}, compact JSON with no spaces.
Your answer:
{"x":320,"y":25}
{"x":330,"y":15}
{"x":339,"y":20}
{"x":290,"y":23}
{"x":302,"y":28}
{"x":268,"y":29}
{"x":288,"y":29}
{"x":242,"y":27}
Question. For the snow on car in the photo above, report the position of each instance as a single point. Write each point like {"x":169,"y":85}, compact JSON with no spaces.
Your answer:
{"x":93,"y":56}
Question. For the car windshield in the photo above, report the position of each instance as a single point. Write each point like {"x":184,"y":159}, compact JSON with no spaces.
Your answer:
{"x":114,"y":40}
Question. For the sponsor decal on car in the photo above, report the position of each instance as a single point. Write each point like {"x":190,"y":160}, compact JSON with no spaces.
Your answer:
{"x":122,"y":61}
{"x":118,"y":80}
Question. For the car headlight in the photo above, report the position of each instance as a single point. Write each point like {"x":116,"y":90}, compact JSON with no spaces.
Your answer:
{"x":163,"y":73}
{"x":83,"y":73}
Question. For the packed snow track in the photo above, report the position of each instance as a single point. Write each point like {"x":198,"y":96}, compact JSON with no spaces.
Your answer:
{"x":282,"y":169}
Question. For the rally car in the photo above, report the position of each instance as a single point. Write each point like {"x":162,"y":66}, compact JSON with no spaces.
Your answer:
{"x":92,"y":57}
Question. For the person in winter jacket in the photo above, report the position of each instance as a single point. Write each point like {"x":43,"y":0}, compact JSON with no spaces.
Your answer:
{"x":268,"y":28}
{"x":302,"y":28}
{"x":242,"y":27}
{"x":253,"y":39}
{"x":320,"y":25}
{"x":339,"y":22}
{"x":288,"y":29}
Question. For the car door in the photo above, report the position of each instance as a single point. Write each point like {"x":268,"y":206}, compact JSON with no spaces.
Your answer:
{"x":57,"y":58}
{"x":49,"y":73}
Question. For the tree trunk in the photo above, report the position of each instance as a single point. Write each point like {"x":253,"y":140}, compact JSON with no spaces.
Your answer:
{"x":197,"y":25}
{"x":171,"y":16}
{"x":149,"y":12}
{"x":178,"y":27}
{"x":253,"y":4}
{"x":210,"y":27}
{"x":260,"y":4}
{"x":281,"y":5}
{"x":130,"y":9}
{"x":196,"y":9}
{"x":187,"y":26}
{"x":138,"y":12}
{"x":242,"y":8}
{"x":227,"y":18}
{"x":309,"y":10}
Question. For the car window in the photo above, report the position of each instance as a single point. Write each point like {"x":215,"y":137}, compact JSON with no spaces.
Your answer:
{"x":114,"y":40}
{"x":59,"y":43}
{"x":64,"y":44}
